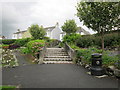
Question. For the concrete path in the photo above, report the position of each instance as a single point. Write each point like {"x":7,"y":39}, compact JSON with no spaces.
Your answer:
{"x":54,"y":76}
{"x":22,"y":59}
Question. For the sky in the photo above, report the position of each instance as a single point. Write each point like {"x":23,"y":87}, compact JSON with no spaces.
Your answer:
{"x":21,"y":14}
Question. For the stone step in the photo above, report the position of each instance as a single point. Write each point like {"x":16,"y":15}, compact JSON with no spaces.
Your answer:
{"x":57,"y":59}
{"x":56,"y":55}
{"x":55,"y":50}
{"x":58,"y":62}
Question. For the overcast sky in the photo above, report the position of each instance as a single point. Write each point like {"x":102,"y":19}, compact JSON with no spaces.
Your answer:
{"x":16,"y":14}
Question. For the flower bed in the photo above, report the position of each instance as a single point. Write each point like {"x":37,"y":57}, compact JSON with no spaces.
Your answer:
{"x":83,"y":57}
{"x":8,"y":59}
{"x":33,"y":47}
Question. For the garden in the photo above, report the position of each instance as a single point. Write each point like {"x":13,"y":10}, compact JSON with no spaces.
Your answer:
{"x":86,"y":45}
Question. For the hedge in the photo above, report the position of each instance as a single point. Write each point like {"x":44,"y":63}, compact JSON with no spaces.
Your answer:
{"x":8,"y":41}
{"x":110,"y":40}
{"x":22,"y":42}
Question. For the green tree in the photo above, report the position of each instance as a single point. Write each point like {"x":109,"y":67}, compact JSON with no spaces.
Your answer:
{"x":69,"y":26}
{"x":99,"y":16}
{"x":37,"y":32}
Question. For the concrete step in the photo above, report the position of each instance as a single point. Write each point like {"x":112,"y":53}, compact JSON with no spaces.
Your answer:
{"x":57,"y":59}
{"x":55,"y":50}
{"x":56,"y":55}
{"x":58,"y":62}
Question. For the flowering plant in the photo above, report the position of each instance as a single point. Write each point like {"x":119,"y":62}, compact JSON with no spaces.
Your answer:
{"x":35,"y":46}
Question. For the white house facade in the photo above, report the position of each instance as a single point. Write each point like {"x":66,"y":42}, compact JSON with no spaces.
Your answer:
{"x":54,"y":32}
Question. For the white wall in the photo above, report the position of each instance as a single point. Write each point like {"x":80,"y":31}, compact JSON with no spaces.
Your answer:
{"x":56,"y":33}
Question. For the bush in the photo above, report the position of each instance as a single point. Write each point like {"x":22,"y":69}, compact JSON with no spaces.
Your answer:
{"x":86,"y":53}
{"x":109,"y":59}
{"x":110,"y":40}
{"x":8,"y":41}
{"x":22,"y":42}
{"x":24,"y":50}
{"x":4,"y":46}
{"x":106,"y":57}
{"x":71,"y":38}
{"x":13,"y":46}
{"x":35,"y":46}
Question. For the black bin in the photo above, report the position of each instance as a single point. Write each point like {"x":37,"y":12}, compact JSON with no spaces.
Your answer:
{"x":96,"y":65}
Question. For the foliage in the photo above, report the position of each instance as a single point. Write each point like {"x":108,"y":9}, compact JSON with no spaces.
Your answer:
{"x":22,"y":42}
{"x":94,"y":40}
{"x":8,"y":59}
{"x":71,"y":38}
{"x":53,"y":43}
{"x":99,"y":16}
{"x":8,"y":41}
{"x":86,"y":53}
{"x":37,"y":32}
{"x":7,"y":87}
{"x":13,"y":46}
{"x":109,"y":59}
{"x":24,"y":50}
{"x":69,"y":26}
{"x":35,"y":46}
{"x":5,"y":46}
{"x":73,"y":46}
{"x":47,"y":39}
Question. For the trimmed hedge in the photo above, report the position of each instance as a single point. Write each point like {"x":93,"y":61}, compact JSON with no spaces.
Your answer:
{"x":71,"y":38}
{"x":110,"y":40}
{"x":22,"y":42}
{"x":8,"y":41}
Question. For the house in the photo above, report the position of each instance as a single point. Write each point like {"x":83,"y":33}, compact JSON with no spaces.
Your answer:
{"x":18,"y":34}
{"x":80,"y":31}
{"x":53,"y":32}
{"x":3,"y":37}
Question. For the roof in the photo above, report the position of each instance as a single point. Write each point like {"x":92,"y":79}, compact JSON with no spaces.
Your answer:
{"x":20,"y":32}
{"x":46,"y":29}
{"x":49,"y":28}
{"x":80,"y":29}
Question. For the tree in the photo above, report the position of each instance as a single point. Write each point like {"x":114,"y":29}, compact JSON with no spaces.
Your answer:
{"x":99,"y":16}
{"x":37,"y":32}
{"x":69,"y":26}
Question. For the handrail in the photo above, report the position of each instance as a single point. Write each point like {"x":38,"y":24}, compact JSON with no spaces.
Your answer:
{"x":70,"y":51}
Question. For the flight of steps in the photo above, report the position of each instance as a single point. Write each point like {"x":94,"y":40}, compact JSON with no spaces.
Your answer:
{"x":56,"y":55}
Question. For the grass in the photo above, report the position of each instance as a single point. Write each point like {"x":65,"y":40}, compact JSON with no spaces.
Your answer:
{"x":7,"y":87}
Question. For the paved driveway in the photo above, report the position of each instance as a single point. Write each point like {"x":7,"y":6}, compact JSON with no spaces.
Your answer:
{"x":55,"y":76}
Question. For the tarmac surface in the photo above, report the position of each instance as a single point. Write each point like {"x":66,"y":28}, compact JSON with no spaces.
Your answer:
{"x":54,"y":76}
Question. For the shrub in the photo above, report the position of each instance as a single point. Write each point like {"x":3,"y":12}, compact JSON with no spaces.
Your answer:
{"x":22,"y":42}
{"x":13,"y":46}
{"x":109,"y":59}
{"x":8,"y":41}
{"x":4,"y":46}
{"x":110,"y":40}
{"x":106,"y":57}
{"x":86,"y":53}
{"x":24,"y":50}
{"x":71,"y":38}
{"x":35,"y":46}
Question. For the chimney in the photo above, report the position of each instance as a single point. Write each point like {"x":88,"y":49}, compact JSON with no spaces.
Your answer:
{"x":57,"y":24}
{"x":18,"y":30}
